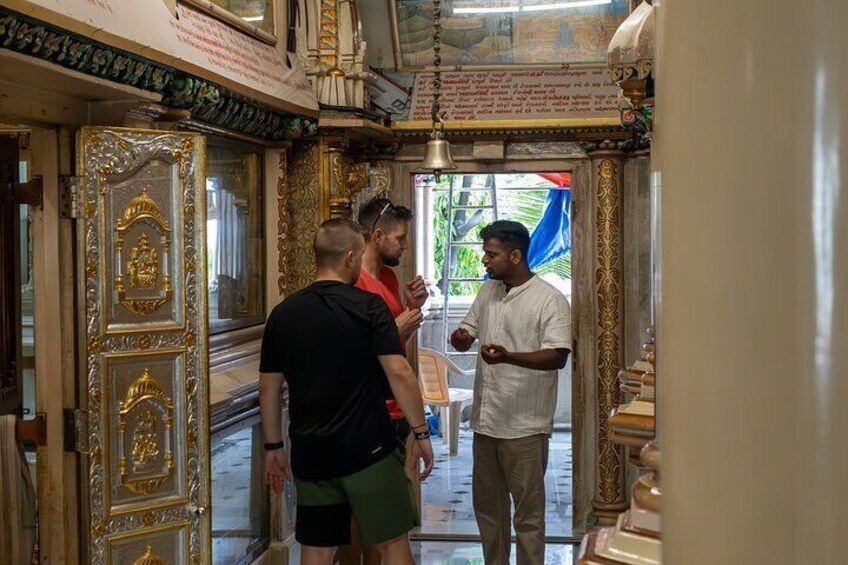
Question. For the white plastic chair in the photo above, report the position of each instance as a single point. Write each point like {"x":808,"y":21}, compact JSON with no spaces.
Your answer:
{"x":433,"y":380}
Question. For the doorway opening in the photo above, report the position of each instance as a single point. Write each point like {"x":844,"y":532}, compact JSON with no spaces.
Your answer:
{"x":17,"y":336}
{"x":450,"y":214}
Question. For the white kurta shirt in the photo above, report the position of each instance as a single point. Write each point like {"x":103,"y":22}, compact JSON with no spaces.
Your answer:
{"x":512,"y":402}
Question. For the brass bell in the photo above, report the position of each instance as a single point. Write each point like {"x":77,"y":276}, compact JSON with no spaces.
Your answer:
{"x":438,"y":157}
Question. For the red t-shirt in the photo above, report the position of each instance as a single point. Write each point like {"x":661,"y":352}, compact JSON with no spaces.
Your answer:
{"x":388,"y":288}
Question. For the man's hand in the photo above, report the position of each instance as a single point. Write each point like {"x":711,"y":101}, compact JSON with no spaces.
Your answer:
{"x":461,"y":340}
{"x":422,"y":449}
{"x":494,"y":354}
{"x":409,"y":322}
{"x":277,"y":469}
{"x":415,"y":292}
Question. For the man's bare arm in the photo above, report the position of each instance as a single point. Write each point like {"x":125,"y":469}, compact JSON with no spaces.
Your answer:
{"x":404,"y":386}
{"x":277,"y":467}
{"x":270,"y":389}
{"x":543,"y":360}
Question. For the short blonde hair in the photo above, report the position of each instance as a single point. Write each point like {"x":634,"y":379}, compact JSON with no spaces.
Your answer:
{"x":334,"y":239}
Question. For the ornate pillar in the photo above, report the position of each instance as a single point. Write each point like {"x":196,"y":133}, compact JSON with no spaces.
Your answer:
{"x":607,"y":169}
{"x":334,"y":57}
{"x":342,"y":179}
{"x":335,"y":203}
{"x":277,"y":222}
{"x":304,"y":202}
{"x":282,"y":222}
{"x":323,"y":182}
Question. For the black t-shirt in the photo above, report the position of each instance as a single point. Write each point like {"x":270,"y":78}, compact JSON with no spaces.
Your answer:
{"x":325,"y":340}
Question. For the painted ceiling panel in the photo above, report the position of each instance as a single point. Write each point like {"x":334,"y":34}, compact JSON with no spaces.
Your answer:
{"x":508,"y":32}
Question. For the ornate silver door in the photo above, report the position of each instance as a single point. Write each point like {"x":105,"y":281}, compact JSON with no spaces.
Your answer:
{"x":143,"y":263}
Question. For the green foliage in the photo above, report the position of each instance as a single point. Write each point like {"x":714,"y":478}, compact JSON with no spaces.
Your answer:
{"x":467,"y":260}
{"x":525,"y":206}
{"x":560,"y":267}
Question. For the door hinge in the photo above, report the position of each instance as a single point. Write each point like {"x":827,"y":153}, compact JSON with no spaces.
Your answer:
{"x":33,"y":430}
{"x":29,"y":193}
{"x":76,"y":430}
{"x":70,"y":197}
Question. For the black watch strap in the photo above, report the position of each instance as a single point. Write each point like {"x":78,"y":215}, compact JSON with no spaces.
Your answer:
{"x":273,"y":446}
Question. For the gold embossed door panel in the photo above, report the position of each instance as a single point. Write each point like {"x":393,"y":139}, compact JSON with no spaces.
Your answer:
{"x":144,"y":295}
{"x":147,"y":395}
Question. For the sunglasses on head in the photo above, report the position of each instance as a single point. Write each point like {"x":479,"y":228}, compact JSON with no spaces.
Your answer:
{"x":380,"y":215}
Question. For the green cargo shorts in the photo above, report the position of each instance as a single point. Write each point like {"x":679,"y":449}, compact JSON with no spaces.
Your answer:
{"x":380,"y":497}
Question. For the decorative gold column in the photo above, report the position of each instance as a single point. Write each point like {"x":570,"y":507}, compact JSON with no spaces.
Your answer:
{"x":329,"y":34}
{"x":305,"y":204}
{"x":321,"y":184}
{"x":341,"y":178}
{"x":282,"y":222}
{"x":333,"y":185}
{"x":607,"y":168}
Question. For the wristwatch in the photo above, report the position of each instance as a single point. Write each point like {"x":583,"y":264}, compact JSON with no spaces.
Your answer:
{"x":273,"y":446}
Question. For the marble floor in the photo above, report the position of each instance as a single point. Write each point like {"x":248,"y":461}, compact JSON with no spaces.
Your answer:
{"x":238,"y":517}
{"x":467,"y":553}
{"x":238,"y":511}
{"x":446,"y":505}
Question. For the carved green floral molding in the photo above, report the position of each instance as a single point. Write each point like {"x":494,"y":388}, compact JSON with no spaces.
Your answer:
{"x":207,"y":101}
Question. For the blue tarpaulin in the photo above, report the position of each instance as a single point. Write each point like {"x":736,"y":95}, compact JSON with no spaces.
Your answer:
{"x":552,"y":237}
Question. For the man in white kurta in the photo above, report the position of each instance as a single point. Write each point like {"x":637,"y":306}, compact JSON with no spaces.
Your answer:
{"x":524,"y":328}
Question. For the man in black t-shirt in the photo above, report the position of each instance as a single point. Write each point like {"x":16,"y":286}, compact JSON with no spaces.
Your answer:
{"x":335,"y":346}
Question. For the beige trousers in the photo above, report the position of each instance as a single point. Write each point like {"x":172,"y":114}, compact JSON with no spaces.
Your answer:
{"x":504,"y":469}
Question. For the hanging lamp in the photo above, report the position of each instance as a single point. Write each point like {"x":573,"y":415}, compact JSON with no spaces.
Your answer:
{"x":632,"y":52}
{"x":438,"y":157}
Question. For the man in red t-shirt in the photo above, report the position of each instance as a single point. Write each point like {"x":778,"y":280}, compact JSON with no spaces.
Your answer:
{"x":388,"y":226}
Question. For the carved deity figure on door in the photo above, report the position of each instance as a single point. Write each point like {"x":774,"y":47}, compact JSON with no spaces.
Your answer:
{"x":143,"y":265}
{"x":145,"y":445}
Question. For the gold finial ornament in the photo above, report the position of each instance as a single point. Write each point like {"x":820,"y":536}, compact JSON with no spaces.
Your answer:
{"x":149,"y":557}
{"x":143,"y":206}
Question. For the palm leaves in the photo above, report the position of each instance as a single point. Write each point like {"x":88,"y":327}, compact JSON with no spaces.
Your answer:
{"x":517,"y":203}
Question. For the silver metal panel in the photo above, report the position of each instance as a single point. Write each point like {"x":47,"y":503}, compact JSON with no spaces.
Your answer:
{"x":146,"y":346}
